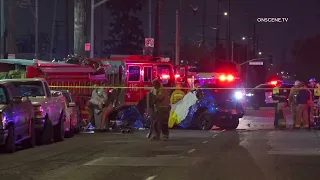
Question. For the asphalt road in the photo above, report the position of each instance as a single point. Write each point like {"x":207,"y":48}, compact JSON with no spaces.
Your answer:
{"x":253,"y":152}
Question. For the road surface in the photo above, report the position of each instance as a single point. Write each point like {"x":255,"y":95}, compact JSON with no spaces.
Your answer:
{"x":254,"y":152}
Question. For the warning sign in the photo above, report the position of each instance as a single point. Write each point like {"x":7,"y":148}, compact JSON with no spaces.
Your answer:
{"x":149,"y":42}
{"x":87,"y":47}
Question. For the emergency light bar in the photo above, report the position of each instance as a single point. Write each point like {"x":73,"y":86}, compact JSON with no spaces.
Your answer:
{"x":226,"y":78}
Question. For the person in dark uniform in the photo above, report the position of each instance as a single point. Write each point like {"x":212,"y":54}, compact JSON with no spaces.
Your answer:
{"x":304,"y":96}
{"x":312,"y":87}
{"x":280,"y":95}
{"x":162,"y":111}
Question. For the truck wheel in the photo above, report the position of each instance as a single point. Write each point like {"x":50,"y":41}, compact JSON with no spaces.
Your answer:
{"x":31,"y":141}
{"x":45,"y":136}
{"x":233,"y":124}
{"x":70,"y":133}
{"x":58,"y":130}
{"x":10,"y":146}
{"x":205,"y":121}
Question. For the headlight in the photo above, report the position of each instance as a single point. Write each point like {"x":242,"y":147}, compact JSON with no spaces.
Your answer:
{"x":238,"y":95}
{"x":249,"y":94}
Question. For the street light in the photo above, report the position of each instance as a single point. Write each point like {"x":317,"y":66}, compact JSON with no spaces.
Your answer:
{"x":260,"y":53}
{"x":243,"y":38}
{"x":225,"y":13}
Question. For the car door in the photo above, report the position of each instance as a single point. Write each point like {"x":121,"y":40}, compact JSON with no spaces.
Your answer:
{"x":18,"y":113}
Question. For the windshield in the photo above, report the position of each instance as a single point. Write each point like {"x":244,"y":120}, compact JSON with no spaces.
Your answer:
{"x":30,"y":88}
{"x":3,"y":96}
{"x":164,"y":73}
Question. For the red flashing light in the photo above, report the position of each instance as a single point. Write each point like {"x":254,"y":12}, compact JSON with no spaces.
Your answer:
{"x":165,"y":76}
{"x":274,"y":82}
{"x":176,"y":75}
{"x":230,"y":78}
{"x":226,"y":78}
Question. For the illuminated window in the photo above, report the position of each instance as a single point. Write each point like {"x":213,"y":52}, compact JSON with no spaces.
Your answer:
{"x":134,"y":73}
{"x":147,"y":74}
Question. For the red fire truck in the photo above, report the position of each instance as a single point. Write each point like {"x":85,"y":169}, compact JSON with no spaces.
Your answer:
{"x":133,"y":74}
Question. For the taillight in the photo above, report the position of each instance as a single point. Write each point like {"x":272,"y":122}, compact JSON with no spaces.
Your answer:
{"x":230,"y":78}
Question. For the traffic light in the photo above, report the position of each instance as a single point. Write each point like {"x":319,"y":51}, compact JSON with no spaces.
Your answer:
{"x":270,"y":60}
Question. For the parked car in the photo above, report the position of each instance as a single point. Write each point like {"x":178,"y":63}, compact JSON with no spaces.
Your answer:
{"x":70,"y":123}
{"x":17,"y":119}
{"x":49,"y":112}
{"x":74,"y":108}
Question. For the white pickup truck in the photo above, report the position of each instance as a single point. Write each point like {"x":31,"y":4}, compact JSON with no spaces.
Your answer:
{"x":49,"y":112}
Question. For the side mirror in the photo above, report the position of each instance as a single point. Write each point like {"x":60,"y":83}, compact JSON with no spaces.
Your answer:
{"x":72,"y":104}
{"x":17,"y":99}
{"x":55,"y":94}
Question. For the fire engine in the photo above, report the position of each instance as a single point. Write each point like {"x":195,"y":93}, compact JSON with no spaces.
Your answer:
{"x":132,"y":74}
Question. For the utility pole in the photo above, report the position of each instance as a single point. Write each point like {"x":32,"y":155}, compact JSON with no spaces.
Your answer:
{"x":11,"y":39}
{"x":218,"y":24}
{"x":36,"y":31}
{"x":150,"y":19}
{"x":93,"y":7}
{"x":53,"y":29}
{"x":67,"y":27}
{"x":254,"y":44}
{"x":204,"y":19}
{"x":229,"y":31}
{"x":157,"y":27}
{"x":177,"y":37}
{"x":2,"y":23}
{"x":79,"y":27}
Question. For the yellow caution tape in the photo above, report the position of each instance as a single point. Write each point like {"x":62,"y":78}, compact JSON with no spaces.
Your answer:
{"x":122,"y":87}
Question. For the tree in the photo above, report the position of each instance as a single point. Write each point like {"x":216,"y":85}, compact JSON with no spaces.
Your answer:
{"x":126,"y":35}
{"x":306,"y":57}
{"x":79,"y":27}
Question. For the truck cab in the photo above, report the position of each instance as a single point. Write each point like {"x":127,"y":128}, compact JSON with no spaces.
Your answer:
{"x":17,"y":118}
{"x":49,"y":112}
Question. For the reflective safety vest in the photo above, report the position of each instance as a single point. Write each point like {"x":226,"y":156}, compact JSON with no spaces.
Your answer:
{"x":317,"y":92}
{"x":276,"y":90}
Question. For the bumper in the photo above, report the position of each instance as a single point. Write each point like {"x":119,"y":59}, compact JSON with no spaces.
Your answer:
{"x":39,"y":122}
{"x":3,"y":136}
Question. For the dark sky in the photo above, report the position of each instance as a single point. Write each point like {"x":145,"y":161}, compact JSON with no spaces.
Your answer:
{"x":275,"y":38}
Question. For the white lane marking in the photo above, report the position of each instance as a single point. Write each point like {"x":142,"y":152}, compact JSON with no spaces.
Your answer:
{"x":191,"y":150}
{"x":204,"y":142}
{"x":214,"y":135}
{"x":151,"y":177}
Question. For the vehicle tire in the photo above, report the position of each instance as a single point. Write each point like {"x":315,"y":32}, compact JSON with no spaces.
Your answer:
{"x":46,"y":135}
{"x":31,"y":141}
{"x":71,"y":131}
{"x":205,"y":120}
{"x":58,"y":130}
{"x":10,"y":146}
{"x":233,"y":124}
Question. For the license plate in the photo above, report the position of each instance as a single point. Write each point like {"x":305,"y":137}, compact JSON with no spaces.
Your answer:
{"x":233,"y":111}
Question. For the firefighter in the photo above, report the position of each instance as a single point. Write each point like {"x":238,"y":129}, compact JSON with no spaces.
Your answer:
{"x":162,"y":110}
{"x":312,"y":87}
{"x":304,"y":96}
{"x":317,"y":93}
{"x":177,"y":94}
{"x":291,"y":100}
{"x":280,"y":95}
{"x":98,"y":100}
